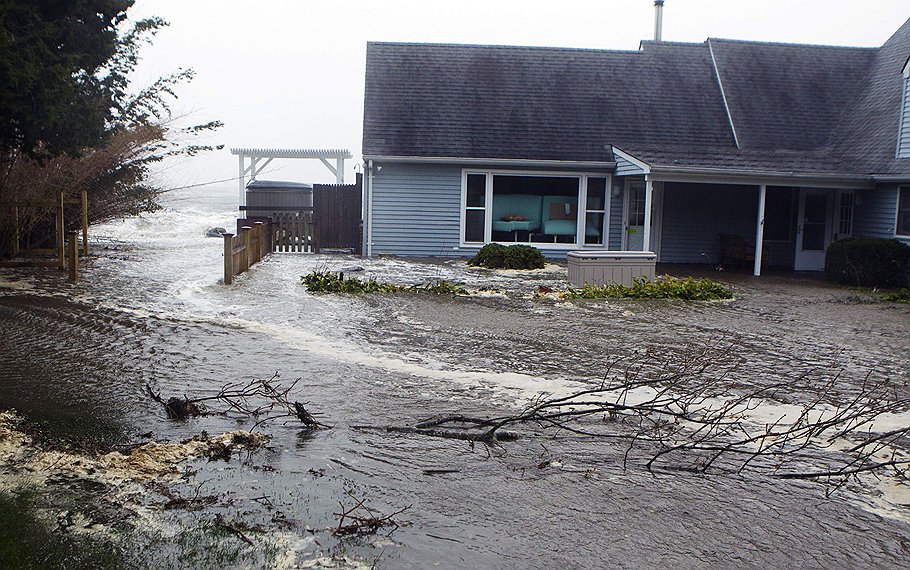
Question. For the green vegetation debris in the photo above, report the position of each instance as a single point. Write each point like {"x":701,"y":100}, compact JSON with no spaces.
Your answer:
{"x":331,"y":282}
{"x":666,"y":287}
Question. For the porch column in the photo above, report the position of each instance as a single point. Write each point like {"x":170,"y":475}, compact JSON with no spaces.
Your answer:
{"x":760,"y":228}
{"x":649,"y":194}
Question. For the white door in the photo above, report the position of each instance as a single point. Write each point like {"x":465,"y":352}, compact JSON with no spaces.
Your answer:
{"x":813,"y":232}
{"x":633,"y":238}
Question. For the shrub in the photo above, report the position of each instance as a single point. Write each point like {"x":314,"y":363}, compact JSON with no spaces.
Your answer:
{"x":666,"y":287}
{"x":867,"y":262}
{"x":498,"y":256}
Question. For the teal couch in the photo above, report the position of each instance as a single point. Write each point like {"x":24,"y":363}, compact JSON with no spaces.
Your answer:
{"x":516,"y":204}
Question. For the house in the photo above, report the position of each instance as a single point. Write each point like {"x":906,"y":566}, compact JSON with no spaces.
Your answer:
{"x":672,"y":148}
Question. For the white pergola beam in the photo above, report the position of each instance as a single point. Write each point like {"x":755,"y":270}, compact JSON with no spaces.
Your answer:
{"x":339,"y":155}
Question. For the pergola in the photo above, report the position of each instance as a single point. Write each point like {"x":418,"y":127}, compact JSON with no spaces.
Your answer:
{"x":259,"y":158}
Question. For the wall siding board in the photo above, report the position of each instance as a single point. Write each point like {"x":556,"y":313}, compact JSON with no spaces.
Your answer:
{"x":876,"y":213}
{"x":617,"y":203}
{"x":626,"y":168}
{"x":695,"y":215}
{"x":903,"y":141}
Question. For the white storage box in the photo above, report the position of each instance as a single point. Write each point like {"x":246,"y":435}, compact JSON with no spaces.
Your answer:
{"x":599,"y":268}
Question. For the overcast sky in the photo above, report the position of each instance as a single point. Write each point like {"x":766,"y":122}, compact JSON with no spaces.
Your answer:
{"x":289,"y":73}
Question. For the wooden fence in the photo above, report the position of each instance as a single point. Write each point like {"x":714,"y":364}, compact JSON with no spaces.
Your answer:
{"x":337,"y":210}
{"x":294,"y":231}
{"x":246,"y":249}
{"x":57,"y":206}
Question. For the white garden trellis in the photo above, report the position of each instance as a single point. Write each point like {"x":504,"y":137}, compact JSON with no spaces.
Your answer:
{"x":259,"y":158}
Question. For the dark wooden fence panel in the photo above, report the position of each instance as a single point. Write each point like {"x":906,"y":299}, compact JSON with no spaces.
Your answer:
{"x":337,"y":212}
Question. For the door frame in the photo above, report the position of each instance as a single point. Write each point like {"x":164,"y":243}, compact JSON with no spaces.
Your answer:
{"x":814,"y":260}
{"x":657,"y":208}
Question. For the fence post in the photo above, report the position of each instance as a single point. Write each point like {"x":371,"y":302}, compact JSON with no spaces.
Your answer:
{"x":245,"y":251}
{"x":84,"y":223}
{"x":228,"y":258}
{"x":61,"y":229}
{"x":74,"y":256}
{"x":260,"y":238}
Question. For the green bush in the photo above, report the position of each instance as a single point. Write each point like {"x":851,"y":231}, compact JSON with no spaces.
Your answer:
{"x":665,"y":287}
{"x":867,"y":262}
{"x":498,"y":256}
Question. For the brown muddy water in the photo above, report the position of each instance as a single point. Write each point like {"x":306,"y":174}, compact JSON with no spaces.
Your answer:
{"x":75,"y":361}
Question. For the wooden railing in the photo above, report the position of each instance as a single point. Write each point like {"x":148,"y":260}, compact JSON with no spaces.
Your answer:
{"x":247,"y":249}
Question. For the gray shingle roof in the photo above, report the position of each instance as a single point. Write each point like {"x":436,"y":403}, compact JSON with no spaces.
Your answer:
{"x":536,"y":103}
{"x":810,"y":109}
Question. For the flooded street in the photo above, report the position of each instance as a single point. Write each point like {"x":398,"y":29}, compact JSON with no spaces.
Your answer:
{"x":76,"y":360}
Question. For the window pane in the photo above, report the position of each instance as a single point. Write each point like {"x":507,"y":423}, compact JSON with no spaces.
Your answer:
{"x":815,"y":211}
{"x":477,"y":190}
{"x":903,"y":213}
{"x":597,"y":188}
{"x":594,"y":228}
{"x":473,"y":225}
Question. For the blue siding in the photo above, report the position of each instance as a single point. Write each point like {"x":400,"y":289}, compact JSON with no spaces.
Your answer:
{"x":616,"y":222}
{"x":694,"y":215}
{"x":626,"y":168}
{"x":903,"y":141}
{"x":417,"y":212}
{"x":416,"y":209}
{"x":875,"y":214}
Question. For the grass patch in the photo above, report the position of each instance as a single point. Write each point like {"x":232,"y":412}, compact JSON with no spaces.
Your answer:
{"x":28,"y":542}
{"x":666,"y":287}
{"x":331,"y":282}
{"x":895,"y":296}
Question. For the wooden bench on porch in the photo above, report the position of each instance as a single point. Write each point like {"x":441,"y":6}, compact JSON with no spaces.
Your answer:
{"x":736,"y":253}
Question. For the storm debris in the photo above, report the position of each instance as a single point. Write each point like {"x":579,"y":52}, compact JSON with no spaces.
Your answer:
{"x":361,"y":520}
{"x":679,"y":415}
{"x":262,"y":400}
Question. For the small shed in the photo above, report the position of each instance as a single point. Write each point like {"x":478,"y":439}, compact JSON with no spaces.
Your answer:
{"x":265,"y":197}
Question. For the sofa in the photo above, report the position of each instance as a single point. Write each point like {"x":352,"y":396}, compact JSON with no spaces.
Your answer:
{"x":524,"y":205}
{"x":559,"y":215}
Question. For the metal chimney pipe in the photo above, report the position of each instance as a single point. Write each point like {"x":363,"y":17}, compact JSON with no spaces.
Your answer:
{"x":658,"y":19}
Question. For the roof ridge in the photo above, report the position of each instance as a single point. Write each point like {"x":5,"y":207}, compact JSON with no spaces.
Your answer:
{"x":500,"y":46}
{"x":794,"y":44}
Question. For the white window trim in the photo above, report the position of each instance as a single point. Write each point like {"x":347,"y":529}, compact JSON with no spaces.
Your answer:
{"x":488,"y":207}
{"x":897,"y":212}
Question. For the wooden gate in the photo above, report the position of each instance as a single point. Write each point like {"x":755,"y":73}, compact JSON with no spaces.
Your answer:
{"x":337,"y":212}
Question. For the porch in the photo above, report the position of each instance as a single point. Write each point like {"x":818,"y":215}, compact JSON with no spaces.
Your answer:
{"x":734,"y":225}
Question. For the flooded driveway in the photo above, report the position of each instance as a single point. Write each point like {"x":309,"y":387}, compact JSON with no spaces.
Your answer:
{"x":77,"y":359}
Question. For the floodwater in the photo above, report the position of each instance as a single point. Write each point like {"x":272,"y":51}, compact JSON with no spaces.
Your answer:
{"x":150,"y":311}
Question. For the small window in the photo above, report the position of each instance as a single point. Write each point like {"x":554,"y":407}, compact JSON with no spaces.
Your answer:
{"x":903,"y":212}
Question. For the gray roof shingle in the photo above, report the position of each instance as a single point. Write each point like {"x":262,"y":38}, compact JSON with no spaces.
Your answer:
{"x":799,"y":108}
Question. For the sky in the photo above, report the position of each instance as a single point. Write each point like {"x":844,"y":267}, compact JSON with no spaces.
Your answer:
{"x":290,"y":73}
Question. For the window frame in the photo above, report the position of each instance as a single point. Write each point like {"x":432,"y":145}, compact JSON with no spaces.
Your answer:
{"x":582,"y":177}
